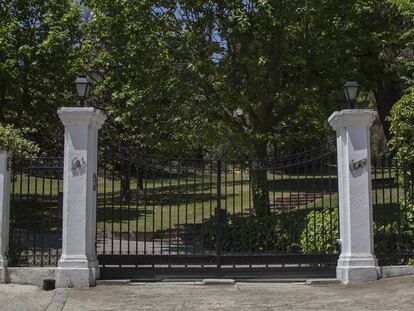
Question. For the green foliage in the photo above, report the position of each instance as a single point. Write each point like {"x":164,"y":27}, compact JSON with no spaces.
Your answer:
{"x":39,"y":59}
{"x":255,"y":233}
{"x":405,"y":6}
{"x":402,"y":130}
{"x":174,"y":77}
{"x":174,"y":72}
{"x":401,"y":144}
{"x":13,"y":140}
{"x":321,"y":232}
{"x":170,"y":74}
{"x":392,"y":238}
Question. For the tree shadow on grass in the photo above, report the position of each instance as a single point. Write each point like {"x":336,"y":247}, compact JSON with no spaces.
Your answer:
{"x":302,"y":184}
{"x":34,"y":213}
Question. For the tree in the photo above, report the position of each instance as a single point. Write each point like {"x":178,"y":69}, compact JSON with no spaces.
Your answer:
{"x":176,"y":72}
{"x":39,"y":41}
{"x":203,"y":78}
{"x":14,"y":141}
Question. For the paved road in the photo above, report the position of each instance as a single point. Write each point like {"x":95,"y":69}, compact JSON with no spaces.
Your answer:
{"x":149,"y":247}
{"x":389,"y":294}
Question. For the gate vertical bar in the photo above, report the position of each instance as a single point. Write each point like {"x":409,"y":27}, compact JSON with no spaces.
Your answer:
{"x":218,"y":220}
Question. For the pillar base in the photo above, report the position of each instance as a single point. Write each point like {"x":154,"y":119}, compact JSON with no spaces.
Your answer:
{"x":77,"y":272}
{"x":357,"y":269}
{"x":3,"y":270}
{"x":3,"y":275}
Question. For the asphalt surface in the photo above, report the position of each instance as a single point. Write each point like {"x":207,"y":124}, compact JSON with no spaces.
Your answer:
{"x":387,"y":294}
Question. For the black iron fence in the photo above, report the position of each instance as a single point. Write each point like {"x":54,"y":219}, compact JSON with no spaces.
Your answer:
{"x":158,"y":211}
{"x":393,"y":210}
{"x":165,"y":212}
{"x":35,"y":211}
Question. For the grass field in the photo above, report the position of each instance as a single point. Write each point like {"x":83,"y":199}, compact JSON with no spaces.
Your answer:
{"x":163,"y":203}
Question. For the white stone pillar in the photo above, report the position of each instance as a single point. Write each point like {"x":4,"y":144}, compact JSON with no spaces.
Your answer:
{"x":78,"y":265}
{"x":357,"y":262}
{"x":4,"y":213}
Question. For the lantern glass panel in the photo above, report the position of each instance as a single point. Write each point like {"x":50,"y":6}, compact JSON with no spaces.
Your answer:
{"x":82,"y":87}
{"x":351,"y":90}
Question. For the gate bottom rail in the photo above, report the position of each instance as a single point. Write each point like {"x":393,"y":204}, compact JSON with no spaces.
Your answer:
{"x":225,"y":259}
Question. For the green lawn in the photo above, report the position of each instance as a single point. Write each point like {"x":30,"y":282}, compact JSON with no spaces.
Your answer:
{"x":163,"y":203}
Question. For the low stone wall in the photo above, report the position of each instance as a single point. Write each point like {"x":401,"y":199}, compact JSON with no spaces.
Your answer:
{"x":30,"y":275}
{"x":35,"y":276}
{"x":394,"y":271}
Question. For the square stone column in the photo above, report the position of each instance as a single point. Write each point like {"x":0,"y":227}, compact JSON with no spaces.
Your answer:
{"x":4,"y":213}
{"x":357,"y":262}
{"x":78,"y":265}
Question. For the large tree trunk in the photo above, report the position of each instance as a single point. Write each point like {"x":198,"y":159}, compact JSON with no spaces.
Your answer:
{"x":125,"y":182}
{"x":258,"y":181}
{"x":2,"y":105}
{"x":260,"y":189}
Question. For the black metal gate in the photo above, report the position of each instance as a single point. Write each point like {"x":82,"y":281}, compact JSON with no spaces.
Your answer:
{"x":158,"y":215}
{"x":35,"y":211}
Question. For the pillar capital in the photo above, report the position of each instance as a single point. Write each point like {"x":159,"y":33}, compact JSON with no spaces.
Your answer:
{"x":352,"y":118}
{"x":86,"y":116}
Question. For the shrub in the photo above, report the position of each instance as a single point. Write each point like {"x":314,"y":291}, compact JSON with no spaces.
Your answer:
{"x":318,"y":236}
{"x":321,"y":232}
{"x":271,"y":233}
{"x":402,"y":143}
{"x":402,"y":146}
{"x":390,"y":243}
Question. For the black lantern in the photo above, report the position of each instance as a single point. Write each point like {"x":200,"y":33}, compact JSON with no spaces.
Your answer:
{"x":82,"y":88}
{"x":351,"y":90}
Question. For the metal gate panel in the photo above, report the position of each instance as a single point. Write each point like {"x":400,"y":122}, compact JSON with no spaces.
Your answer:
{"x":160,"y":212}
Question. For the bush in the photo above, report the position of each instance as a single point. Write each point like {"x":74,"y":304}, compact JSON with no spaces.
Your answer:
{"x":402,"y":142}
{"x":271,"y":233}
{"x":389,"y":242}
{"x":402,"y":146}
{"x":321,"y":232}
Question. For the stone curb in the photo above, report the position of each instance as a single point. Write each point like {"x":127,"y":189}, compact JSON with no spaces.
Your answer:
{"x":58,"y":300}
{"x":322,"y":281}
{"x":218,"y":282}
{"x":395,"y":271}
{"x":112,"y":282}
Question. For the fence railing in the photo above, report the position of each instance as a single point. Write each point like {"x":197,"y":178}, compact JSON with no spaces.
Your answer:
{"x":159,"y":206}
{"x":393,"y":210}
{"x":35,"y":211}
